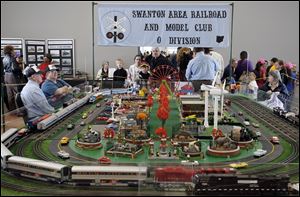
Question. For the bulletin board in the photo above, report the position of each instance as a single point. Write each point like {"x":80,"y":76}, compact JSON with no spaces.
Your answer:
{"x":34,"y":51}
{"x":62,"y":51}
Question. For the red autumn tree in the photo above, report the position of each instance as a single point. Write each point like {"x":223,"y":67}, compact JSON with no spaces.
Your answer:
{"x":161,"y":132}
{"x":162,"y":114}
{"x":164,"y":101}
{"x":163,"y":90}
{"x":149,"y":102}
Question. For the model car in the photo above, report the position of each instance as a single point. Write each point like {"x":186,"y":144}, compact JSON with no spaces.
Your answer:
{"x":259,"y":153}
{"x":104,"y":160}
{"x":238,"y":165}
{"x":258,"y":134}
{"x":98,"y":105}
{"x":247,"y":123}
{"x":108,"y":103}
{"x":63,"y":154}
{"x":70,"y":126}
{"x":240,"y":113}
{"x":256,"y":125}
{"x":84,"y":115}
{"x":82,"y":123}
{"x":187,"y":162}
{"x":112,"y":126}
{"x":274,"y":140}
{"x":108,"y":109}
{"x":105,"y":114}
{"x":64,"y":140}
{"x":102,"y":118}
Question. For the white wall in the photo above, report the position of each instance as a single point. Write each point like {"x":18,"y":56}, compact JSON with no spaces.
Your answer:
{"x":264,"y":29}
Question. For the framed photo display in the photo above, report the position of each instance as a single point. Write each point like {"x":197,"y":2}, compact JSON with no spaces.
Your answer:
{"x":35,"y":51}
{"x":62,"y":51}
{"x":17,"y":43}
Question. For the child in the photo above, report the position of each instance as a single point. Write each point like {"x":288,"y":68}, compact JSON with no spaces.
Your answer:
{"x":144,"y":74}
{"x":103,"y":72}
{"x":252,"y":86}
{"x":120,"y":74}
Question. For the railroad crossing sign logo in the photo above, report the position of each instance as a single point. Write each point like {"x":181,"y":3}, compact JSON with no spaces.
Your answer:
{"x":117,"y":26}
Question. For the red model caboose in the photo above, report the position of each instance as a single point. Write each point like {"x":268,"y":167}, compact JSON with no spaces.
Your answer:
{"x":174,"y":174}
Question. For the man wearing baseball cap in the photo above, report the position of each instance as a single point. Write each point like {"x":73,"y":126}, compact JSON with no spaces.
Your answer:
{"x":33,"y":97}
{"x":57,"y":91}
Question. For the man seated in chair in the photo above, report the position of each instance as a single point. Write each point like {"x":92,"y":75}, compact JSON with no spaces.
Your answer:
{"x":57,"y":91}
{"x":33,"y":97}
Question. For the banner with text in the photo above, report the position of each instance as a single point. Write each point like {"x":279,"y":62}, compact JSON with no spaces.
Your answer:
{"x":164,"y":25}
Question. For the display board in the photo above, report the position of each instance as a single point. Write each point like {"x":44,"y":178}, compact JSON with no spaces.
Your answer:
{"x":154,"y":24}
{"x":62,"y":51}
{"x":17,"y":43}
{"x":35,"y":50}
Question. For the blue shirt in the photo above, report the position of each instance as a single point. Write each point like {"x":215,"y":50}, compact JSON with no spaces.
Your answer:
{"x":49,"y":88}
{"x":202,"y":67}
{"x":35,"y":101}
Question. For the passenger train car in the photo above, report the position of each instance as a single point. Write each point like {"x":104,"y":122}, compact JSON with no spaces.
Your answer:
{"x":12,"y":135}
{"x":109,"y":175}
{"x":62,"y":113}
{"x":5,"y":154}
{"x":38,"y":169}
{"x":9,"y":137}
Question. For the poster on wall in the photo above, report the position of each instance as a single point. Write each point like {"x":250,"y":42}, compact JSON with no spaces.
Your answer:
{"x":62,"y":51}
{"x":35,"y":51}
{"x":198,"y":25}
{"x":17,"y":43}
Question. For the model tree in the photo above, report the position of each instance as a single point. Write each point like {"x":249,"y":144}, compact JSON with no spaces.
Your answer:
{"x":161,"y":132}
{"x":163,"y":110}
{"x":162,"y":114}
{"x":149,"y":102}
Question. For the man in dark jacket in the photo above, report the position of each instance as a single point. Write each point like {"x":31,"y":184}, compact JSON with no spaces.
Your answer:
{"x":157,"y":59}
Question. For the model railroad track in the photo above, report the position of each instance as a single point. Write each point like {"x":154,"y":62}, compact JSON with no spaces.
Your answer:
{"x":47,"y":134}
{"x":21,"y":146}
{"x":283,"y":128}
{"x":267,"y":116}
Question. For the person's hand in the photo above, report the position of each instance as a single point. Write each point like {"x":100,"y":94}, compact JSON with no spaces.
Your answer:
{"x":276,"y":93}
{"x":70,"y":89}
{"x":65,"y":89}
{"x":269,"y":92}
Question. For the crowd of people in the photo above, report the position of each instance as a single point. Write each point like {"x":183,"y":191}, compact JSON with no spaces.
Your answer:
{"x":200,"y":66}
{"x":44,"y":90}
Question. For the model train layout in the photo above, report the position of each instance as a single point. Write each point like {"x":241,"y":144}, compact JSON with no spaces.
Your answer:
{"x":119,"y":139}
